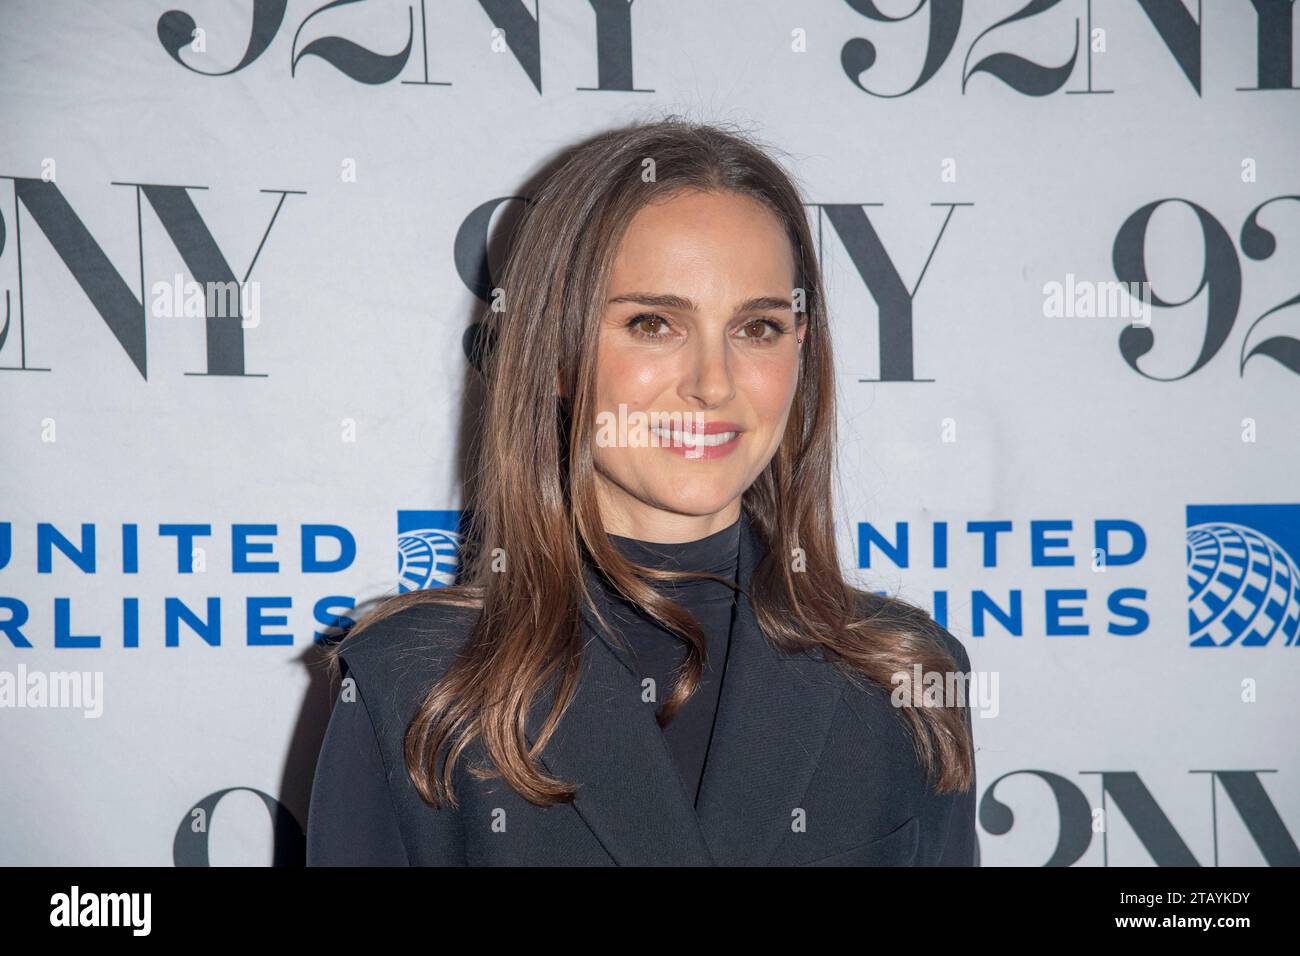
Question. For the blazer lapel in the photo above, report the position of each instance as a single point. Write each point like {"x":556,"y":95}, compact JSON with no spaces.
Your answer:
{"x":608,"y":743}
{"x":773,"y":714}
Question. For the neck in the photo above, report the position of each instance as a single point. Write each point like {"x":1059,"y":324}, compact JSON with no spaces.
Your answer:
{"x":716,"y":553}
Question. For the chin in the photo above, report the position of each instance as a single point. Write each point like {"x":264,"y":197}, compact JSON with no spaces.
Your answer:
{"x":695,"y":496}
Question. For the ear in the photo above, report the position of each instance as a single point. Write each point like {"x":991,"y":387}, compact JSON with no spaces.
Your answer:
{"x":801,"y":330}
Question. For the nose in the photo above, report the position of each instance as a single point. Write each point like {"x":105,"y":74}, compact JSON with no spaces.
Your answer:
{"x":707,"y":378}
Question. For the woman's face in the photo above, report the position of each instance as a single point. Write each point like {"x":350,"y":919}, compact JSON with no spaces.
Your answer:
{"x":698,"y":322}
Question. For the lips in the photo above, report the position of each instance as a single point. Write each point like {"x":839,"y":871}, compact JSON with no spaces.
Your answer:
{"x":709,"y":440}
{"x":708,"y":434}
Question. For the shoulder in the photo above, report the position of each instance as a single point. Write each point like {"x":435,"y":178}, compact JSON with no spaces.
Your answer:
{"x":409,"y":628}
{"x":895,"y":612}
{"x":401,"y":649}
{"x":954,"y":647}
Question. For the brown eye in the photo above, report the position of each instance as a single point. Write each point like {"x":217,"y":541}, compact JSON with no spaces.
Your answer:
{"x":648,"y":325}
{"x":763,"y":330}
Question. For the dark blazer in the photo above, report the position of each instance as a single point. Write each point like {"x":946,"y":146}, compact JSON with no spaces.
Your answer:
{"x":805,"y":768}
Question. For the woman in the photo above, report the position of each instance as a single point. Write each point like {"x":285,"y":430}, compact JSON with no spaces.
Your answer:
{"x":653,"y":657}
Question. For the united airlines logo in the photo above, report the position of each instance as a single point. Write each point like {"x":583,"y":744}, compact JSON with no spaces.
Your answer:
{"x":1241,"y":569}
{"x":428,"y":549}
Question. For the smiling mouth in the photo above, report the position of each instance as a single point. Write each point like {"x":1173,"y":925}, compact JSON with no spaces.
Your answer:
{"x":677,"y":438}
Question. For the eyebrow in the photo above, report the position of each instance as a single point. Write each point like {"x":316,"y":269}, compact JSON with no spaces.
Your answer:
{"x":666,"y":300}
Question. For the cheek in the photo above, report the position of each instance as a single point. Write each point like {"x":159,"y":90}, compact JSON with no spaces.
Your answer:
{"x":629,"y":376}
{"x":770,"y":383}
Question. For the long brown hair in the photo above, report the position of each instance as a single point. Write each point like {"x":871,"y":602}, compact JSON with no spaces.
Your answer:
{"x":535,"y":497}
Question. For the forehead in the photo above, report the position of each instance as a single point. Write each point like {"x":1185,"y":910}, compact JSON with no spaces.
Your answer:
{"x":713,"y":242}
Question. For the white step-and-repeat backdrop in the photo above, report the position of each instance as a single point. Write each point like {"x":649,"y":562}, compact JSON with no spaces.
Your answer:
{"x":1062,"y":241}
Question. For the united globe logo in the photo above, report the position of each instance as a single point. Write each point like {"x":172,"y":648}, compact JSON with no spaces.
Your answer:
{"x":1242,"y":574}
{"x":428,"y":549}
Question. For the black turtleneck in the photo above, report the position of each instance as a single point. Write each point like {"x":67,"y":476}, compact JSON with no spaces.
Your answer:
{"x":658,"y":652}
